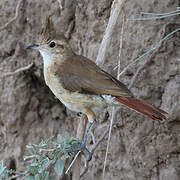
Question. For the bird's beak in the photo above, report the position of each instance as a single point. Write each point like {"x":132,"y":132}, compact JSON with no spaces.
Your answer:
{"x":33,"y":46}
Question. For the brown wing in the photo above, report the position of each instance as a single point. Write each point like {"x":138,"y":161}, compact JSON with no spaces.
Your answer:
{"x":81,"y":74}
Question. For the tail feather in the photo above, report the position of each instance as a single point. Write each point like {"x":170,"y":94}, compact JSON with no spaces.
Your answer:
{"x":142,"y":107}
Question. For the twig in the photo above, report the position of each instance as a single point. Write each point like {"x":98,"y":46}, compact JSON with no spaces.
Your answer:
{"x":19,"y":70}
{"x":109,"y":137}
{"x":14,"y":18}
{"x":160,"y":14}
{"x":86,"y":168}
{"x":160,"y":41}
{"x":120,"y":46}
{"x":80,"y":134}
{"x":93,"y":138}
{"x":156,"y":16}
{"x":134,"y":61}
{"x":94,"y":148}
{"x":100,"y":140}
{"x":72,"y":162}
{"x":116,"y":8}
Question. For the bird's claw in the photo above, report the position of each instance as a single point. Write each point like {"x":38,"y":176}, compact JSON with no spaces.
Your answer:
{"x":82,"y":147}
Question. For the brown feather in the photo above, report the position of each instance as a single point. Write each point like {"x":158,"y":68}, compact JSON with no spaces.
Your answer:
{"x":79,"y":74}
{"x":142,"y":107}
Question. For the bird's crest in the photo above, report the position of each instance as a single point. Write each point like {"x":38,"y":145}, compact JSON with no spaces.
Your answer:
{"x":48,"y":32}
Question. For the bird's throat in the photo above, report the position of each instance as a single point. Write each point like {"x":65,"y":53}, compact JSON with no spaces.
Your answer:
{"x":47,"y":58}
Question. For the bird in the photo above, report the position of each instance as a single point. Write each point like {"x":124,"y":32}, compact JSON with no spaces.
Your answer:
{"x":80,"y":84}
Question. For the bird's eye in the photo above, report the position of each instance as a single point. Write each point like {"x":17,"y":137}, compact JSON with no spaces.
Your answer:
{"x":52,"y":44}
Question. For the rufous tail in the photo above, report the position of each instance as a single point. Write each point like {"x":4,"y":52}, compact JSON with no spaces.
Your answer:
{"x":142,"y":107}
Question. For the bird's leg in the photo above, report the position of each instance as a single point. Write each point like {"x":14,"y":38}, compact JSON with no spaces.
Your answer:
{"x":87,"y":132}
{"x":82,"y":146}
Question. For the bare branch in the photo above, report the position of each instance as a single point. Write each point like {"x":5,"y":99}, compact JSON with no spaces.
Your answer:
{"x":72,"y":162}
{"x":93,"y":138}
{"x":120,"y":46}
{"x":80,"y":134}
{"x":86,"y":168}
{"x":19,"y":70}
{"x":100,"y":140}
{"x":94,"y":148}
{"x":116,"y":8}
{"x":14,"y":18}
{"x":134,"y":61}
{"x":109,"y":137}
{"x":160,"y":37}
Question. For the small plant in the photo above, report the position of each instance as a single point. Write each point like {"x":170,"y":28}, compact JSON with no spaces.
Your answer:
{"x":3,"y":171}
{"x":42,"y":156}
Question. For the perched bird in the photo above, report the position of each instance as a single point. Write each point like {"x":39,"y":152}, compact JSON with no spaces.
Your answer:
{"x":79,"y":83}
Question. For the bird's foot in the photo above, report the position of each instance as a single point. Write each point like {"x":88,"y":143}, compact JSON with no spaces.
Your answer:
{"x":82,"y":147}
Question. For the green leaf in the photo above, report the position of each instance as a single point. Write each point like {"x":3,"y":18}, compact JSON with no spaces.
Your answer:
{"x":45,"y":175}
{"x":44,"y":165}
{"x":37,"y":177}
{"x":29,"y":178}
{"x":1,"y":164}
{"x":4,"y":174}
{"x":66,"y":155}
{"x":32,"y":150}
{"x":34,"y":164}
{"x":42,"y":144}
{"x":67,"y":136}
{"x":2,"y":168}
{"x":59,"y":166}
{"x":59,"y":139}
{"x":32,"y":169}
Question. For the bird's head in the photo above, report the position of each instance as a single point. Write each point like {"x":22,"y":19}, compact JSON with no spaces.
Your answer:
{"x":50,"y":43}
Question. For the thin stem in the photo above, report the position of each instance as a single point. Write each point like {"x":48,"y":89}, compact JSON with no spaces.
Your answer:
{"x":109,"y":137}
{"x":160,"y":14}
{"x":15,"y":16}
{"x":153,"y":18}
{"x":148,"y":52}
{"x":19,"y":70}
{"x":120,"y":46}
{"x":116,"y":8}
{"x":72,"y":162}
